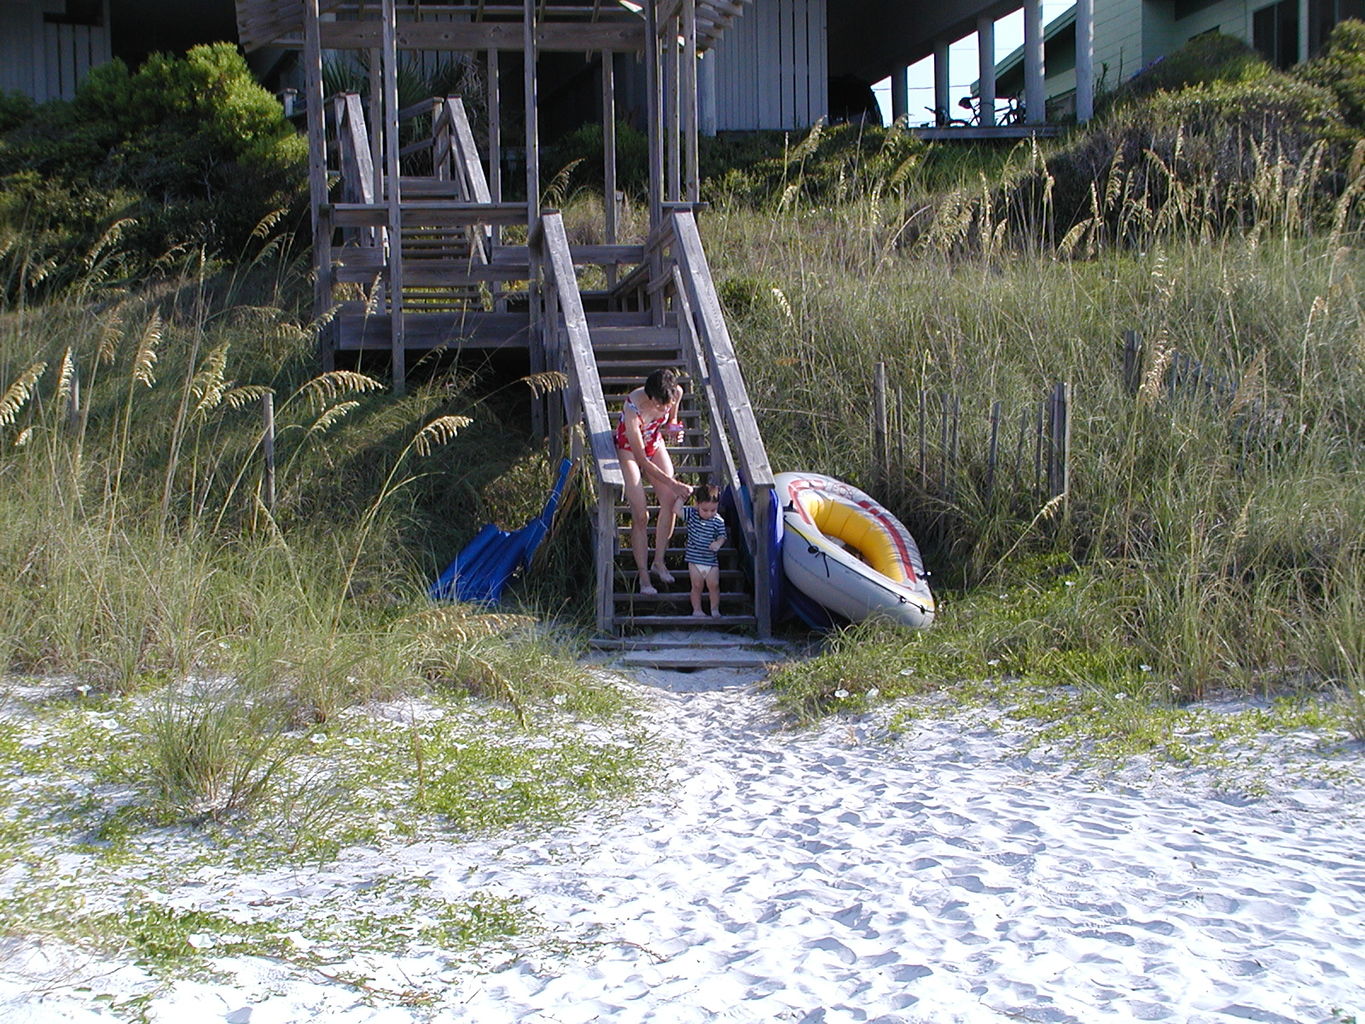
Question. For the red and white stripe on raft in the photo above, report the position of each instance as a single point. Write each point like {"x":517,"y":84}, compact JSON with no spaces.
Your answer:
{"x":845,"y":551}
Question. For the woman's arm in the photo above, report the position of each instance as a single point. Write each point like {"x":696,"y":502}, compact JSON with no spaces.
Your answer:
{"x":673,"y":429}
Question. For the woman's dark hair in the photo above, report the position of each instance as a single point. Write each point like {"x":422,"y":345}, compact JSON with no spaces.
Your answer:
{"x":659,"y":385}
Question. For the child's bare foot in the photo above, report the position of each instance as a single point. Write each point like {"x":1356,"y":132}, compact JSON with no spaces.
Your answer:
{"x":715,"y":613}
{"x":662,"y":572}
{"x":698,"y":614}
{"x":646,"y":585}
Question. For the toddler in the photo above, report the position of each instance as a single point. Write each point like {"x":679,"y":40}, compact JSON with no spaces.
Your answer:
{"x":705,"y":536}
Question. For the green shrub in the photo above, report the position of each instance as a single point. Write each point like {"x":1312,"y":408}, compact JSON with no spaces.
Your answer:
{"x":197,"y":153}
{"x":1340,"y":67}
{"x":1203,"y":60}
{"x":582,"y":149}
{"x":1216,"y":136}
{"x":15,"y":109}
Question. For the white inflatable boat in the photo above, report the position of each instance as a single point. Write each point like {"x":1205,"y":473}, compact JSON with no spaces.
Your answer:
{"x":848,"y":553}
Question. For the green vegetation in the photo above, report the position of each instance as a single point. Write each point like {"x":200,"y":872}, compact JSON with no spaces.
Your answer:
{"x":245,"y":678}
{"x":1210,"y":533}
{"x":142,"y":170}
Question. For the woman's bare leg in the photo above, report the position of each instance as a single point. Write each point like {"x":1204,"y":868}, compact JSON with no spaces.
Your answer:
{"x":639,"y":521}
{"x":663,"y":529}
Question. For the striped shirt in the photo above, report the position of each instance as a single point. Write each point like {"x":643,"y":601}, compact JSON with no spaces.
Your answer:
{"x":701,"y":534}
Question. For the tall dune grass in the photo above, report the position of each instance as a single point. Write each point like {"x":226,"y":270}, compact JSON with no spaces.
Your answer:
{"x":1214,"y":534}
{"x":139,"y":551}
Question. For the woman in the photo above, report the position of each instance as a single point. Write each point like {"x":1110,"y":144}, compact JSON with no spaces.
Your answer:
{"x":650,"y":416}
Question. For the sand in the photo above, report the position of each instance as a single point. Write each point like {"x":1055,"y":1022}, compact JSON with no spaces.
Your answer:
{"x":950,"y":874}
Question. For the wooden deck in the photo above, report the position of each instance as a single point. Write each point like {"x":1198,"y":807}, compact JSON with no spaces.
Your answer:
{"x":417,"y":249}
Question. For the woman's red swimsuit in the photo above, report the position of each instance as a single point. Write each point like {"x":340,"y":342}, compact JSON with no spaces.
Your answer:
{"x":648,"y":431}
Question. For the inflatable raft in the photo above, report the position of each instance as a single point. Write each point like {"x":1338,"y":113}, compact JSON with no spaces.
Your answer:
{"x":849,"y":554}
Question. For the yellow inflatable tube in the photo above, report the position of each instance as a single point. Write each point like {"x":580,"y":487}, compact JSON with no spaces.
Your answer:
{"x":847,"y":552}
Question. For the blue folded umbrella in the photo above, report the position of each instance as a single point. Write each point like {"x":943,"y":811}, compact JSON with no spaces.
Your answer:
{"x":487,"y":562}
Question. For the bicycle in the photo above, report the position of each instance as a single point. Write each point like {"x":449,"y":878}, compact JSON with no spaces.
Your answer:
{"x":942,"y":120}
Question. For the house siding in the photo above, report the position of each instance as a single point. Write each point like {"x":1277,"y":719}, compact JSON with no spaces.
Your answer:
{"x":47,"y":60}
{"x":770,"y":67}
{"x":1118,"y":41}
{"x":1130,"y":34}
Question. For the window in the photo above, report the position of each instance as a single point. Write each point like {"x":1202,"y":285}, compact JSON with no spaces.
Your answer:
{"x":78,"y":12}
{"x":1323,"y":16}
{"x":1275,"y":32}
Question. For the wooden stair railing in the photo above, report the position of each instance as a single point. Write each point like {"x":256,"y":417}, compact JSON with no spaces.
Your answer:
{"x":729,"y":398}
{"x":568,"y":349}
{"x":721,"y":439}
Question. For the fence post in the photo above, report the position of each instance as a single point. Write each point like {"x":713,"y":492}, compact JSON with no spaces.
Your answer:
{"x":994,"y":450}
{"x":268,"y":448}
{"x":923,"y":454}
{"x":1132,"y":361}
{"x":880,"y":448}
{"x":73,"y":400}
{"x":1059,"y":447}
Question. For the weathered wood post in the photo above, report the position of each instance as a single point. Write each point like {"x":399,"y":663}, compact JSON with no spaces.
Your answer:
{"x":923,"y":444}
{"x":610,"y":210}
{"x":994,"y":449}
{"x":1132,"y":361}
{"x":880,"y":448}
{"x":1059,"y":440}
{"x":73,"y":400}
{"x":389,"y":37}
{"x":268,"y":449}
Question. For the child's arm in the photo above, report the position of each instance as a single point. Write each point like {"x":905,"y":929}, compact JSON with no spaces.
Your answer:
{"x":719,"y":542}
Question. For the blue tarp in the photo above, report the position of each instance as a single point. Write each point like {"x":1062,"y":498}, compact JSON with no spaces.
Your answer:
{"x":482,"y":569}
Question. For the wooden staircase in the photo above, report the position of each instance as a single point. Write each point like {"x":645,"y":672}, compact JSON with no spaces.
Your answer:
{"x":679,"y":324}
{"x":421,"y":264}
{"x":624,"y":357}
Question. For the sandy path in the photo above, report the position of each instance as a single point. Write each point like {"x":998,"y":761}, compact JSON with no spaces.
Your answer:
{"x":817,"y":877}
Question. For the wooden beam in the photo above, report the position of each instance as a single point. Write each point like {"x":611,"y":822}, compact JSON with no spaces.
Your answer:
{"x":534,"y":292}
{"x":609,"y":145}
{"x":670,"y":110}
{"x":692,"y":163}
{"x":428,"y":214}
{"x":394,"y":197}
{"x":317,"y":164}
{"x":628,"y":37}
{"x":652,"y":118}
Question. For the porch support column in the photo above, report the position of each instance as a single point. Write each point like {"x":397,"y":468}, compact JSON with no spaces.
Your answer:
{"x":528,"y":50}
{"x":654,"y":112}
{"x":985,"y":66}
{"x":691,"y":155}
{"x":986,"y":70}
{"x":1304,"y":22}
{"x":1035,"y":99}
{"x":943,"y":104}
{"x":1085,"y":60}
{"x":706,"y":93}
{"x":900,"y":93}
{"x":389,"y":44}
{"x":317,"y":168}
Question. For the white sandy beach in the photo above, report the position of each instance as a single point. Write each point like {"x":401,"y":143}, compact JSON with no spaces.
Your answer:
{"x":834,"y":876}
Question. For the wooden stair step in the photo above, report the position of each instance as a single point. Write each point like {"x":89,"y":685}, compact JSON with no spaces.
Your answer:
{"x":697,"y":657}
{"x":703,"y":622}
{"x":675,"y":595}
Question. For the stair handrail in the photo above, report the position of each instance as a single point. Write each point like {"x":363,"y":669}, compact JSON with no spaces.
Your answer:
{"x":456,"y":153}
{"x":732,"y":400}
{"x":584,"y":396}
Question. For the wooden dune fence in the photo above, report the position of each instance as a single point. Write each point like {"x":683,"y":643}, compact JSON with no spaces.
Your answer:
{"x":931,"y":445}
{"x":925,"y":443}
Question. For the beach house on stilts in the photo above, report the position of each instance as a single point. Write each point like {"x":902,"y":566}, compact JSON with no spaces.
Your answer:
{"x":418,"y":246}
